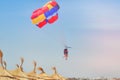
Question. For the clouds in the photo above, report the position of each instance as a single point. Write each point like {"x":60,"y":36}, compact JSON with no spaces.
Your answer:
{"x":104,"y":45}
{"x":98,"y":54}
{"x":109,"y":55}
{"x":101,"y":15}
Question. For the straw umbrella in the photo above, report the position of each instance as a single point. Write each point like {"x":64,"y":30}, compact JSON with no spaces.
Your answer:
{"x":43,"y":74}
{"x":33,"y":73}
{"x":56,"y":76}
{"x":1,"y":56}
{"x":18,"y":72}
{"x":5,"y":74}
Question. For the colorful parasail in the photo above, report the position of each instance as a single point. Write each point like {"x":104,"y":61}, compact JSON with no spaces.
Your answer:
{"x":46,"y":14}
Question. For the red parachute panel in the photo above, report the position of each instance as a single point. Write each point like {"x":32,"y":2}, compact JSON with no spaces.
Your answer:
{"x":53,"y":19}
{"x":41,"y":24}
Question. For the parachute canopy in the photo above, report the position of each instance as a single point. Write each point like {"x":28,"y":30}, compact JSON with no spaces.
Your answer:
{"x":46,"y":14}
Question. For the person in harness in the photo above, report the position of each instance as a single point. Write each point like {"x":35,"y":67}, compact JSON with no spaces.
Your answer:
{"x":66,"y":53}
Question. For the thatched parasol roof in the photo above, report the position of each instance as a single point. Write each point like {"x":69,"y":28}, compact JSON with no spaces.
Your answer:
{"x":19,"y":74}
{"x":5,"y":74}
{"x":55,"y":75}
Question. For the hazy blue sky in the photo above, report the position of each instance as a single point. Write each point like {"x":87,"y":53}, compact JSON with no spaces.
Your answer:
{"x":90,"y":27}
